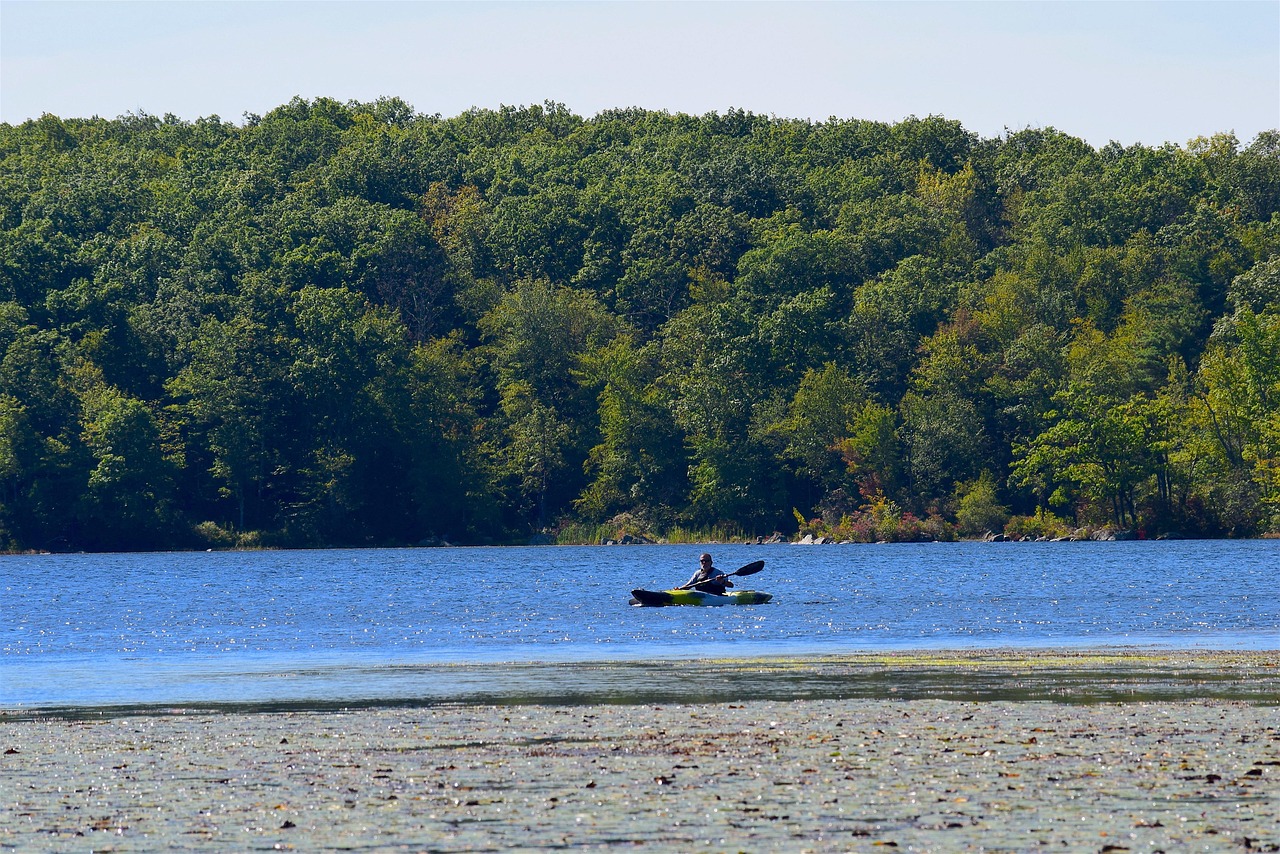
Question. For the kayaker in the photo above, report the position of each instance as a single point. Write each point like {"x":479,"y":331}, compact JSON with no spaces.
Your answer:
{"x":708,"y":579}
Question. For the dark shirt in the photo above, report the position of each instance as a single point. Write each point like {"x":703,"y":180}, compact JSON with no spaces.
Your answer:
{"x":708,"y":579}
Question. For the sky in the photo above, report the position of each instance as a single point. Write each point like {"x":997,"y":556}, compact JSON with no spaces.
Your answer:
{"x":1132,"y":72}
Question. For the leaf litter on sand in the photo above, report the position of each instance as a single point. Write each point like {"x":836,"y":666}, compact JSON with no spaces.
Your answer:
{"x":769,"y":775}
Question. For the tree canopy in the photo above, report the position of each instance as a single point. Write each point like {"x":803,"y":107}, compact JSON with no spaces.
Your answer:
{"x":348,"y":324}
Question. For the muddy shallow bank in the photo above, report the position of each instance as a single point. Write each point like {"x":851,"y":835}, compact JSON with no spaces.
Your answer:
{"x":1083,"y":751}
{"x":1063,"y":675}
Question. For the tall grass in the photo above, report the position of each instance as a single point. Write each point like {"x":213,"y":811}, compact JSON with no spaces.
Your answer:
{"x":714,"y":534}
{"x":583,"y":534}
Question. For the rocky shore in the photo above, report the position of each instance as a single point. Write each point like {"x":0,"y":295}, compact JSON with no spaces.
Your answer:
{"x":1195,"y":773}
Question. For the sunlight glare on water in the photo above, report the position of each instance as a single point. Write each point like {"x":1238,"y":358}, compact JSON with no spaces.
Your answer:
{"x":227,"y":626}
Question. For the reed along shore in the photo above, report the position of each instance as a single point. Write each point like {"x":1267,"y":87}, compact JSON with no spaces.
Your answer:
{"x":1082,"y":751}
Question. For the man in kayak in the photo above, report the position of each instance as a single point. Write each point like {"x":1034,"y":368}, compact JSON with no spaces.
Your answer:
{"x":708,"y":579}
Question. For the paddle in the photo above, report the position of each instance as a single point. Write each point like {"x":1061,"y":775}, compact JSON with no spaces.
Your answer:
{"x":750,"y":569}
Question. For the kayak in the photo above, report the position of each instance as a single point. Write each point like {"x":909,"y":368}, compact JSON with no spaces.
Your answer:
{"x":653,"y":599}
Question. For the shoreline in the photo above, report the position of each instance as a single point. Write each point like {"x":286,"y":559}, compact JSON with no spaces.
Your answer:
{"x":1189,"y":771}
{"x":1073,"y":675}
{"x":746,"y":541}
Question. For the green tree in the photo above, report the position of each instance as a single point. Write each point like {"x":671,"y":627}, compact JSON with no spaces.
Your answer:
{"x":535,"y":451}
{"x":19,"y":458}
{"x":1103,"y":436}
{"x":979,"y":509}
{"x":227,"y":398}
{"x":353,"y":323}
{"x":713,"y":372}
{"x":539,"y":334}
{"x":639,"y":465}
{"x":819,"y":417}
{"x":129,"y":500}
{"x":1239,"y":382}
{"x":348,"y":381}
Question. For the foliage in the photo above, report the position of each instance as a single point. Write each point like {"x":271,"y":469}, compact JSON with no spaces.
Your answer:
{"x":979,"y":510}
{"x":879,"y":520}
{"x":1040,"y":525}
{"x":353,"y":324}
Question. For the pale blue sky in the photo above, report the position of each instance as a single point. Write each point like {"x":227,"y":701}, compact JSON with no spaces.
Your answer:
{"x":1148,"y":72}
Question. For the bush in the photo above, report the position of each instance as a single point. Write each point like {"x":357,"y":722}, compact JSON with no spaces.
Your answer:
{"x":211,"y":535}
{"x":1042,"y":524}
{"x":979,"y":509}
{"x":879,"y":520}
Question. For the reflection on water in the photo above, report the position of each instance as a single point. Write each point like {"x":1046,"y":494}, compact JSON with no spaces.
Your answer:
{"x":396,"y":625}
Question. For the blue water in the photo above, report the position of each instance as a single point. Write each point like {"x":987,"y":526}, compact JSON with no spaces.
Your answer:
{"x":370,"y":625}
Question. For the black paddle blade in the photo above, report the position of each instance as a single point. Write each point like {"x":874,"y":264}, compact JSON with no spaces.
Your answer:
{"x":750,"y":569}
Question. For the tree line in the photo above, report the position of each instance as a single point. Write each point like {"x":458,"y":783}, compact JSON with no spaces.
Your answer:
{"x":348,"y":324}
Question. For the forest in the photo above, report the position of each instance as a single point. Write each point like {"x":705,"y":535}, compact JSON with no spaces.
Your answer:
{"x":351,"y":324}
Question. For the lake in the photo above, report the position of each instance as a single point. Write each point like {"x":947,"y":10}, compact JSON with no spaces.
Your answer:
{"x":387,"y":625}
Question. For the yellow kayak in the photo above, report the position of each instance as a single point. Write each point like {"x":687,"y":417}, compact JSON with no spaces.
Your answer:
{"x":653,"y":599}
